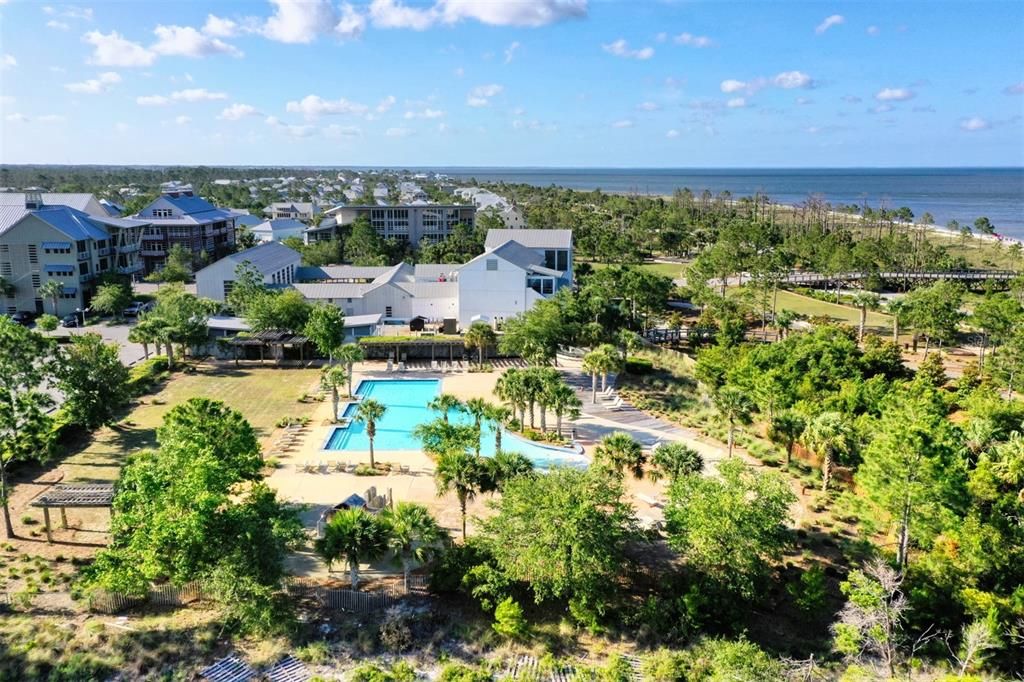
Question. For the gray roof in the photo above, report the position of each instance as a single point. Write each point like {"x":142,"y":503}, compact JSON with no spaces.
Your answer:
{"x":76,"y":200}
{"x":280,"y":224}
{"x":403,"y":272}
{"x":75,"y":224}
{"x":533,"y":239}
{"x":328,"y":272}
{"x":430,"y":289}
{"x":362,"y":320}
{"x":426,"y":272}
{"x":266,"y":257}
{"x":324,"y":290}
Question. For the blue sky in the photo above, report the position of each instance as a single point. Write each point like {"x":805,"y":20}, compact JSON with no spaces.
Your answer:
{"x":525,"y":83}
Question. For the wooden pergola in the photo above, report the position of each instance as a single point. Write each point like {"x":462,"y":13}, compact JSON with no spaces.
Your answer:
{"x":271,"y":339}
{"x":64,"y":495}
{"x":435,"y":344}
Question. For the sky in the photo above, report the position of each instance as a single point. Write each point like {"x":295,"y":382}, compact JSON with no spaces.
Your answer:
{"x":567,"y":83}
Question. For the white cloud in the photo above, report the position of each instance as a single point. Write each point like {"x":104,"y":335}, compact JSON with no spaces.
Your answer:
{"x":16,"y":118}
{"x":624,"y":123}
{"x":313,"y":106}
{"x":237,"y":112}
{"x":974,"y":124}
{"x":392,"y":14}
{"x":426,"y":113}
{"x":894,"y":95}
{"x":336,"y":131}
{"x":398,"y":132}
{"x":185,"y":41}
{"x":459,"y":72}
{"x":59,"y":25}
{"x":197,"y":95}
{"x":95,"y":86}
{"x":620,"y":48}
{"x":219,"y":27}
{"x":673,"y":83}
{"x":385,"y":104}
{"x":8,"y":62}
{"x":748,"y":88}
{"x":481,"y":94}
{"x":803,"y":101}
{"x":648,"y":106}
{"x":183,"y":120}
{"x":691,"y":40}
{"x":68,"y":12}
{"x":873,"y":30}
{"x":152,"y":100}
{"x":1014,"y":89}
{"x":737,"y":103}
{"x":829,"y":22}
{"x":50,"y":118}
{"x":112,"y":49}
{"x":520,"y":13}
{"x":296,"y":131}
{"x":510,"y":51}
{"x":299,"y":21}
{"x":351,"y":23}
{"x":793,"y":79}
{"x":672,"y":134}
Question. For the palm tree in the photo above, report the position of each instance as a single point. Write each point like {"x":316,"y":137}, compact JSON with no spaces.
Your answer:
{"x":350,"y":354}
{"x":549,"y":381}
{"x":459,"y":472}
{"x":619,"y":452}
{"x":439,"y":436}
{"x":675,"y":460}
{"x":784,"y":321}
{"x":865,"y":300}
{"x":612,"y":362}
{"x":503,"y":467}
{"x":480,"y":336}
{"x":52,"y":289}
{"x":785,"y":429}
{"x":510,"y":388}
{"x":445,"y":403}
{"x":355,"y":536}
{"x":898,"y":309}
{"x":734,"y":407}
{"x":498,"y":414}
{"x":592,"y":363}
{"x":331,"y":377}
{"x":630,"y":342}
{"x":370,"y":412}
{"x":414,"y":534}
{"x":564,"y":401}
{"x":533,"y":386}
{"x":829,"y":437}
{"x":142,"y":333}
{"x":477,"y":407}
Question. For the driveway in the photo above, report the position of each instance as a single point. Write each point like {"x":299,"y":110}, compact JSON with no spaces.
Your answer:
{"x":130,"y":353}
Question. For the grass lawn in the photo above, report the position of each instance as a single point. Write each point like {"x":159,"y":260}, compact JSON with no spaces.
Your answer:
{"x":673,"y":270}
{"x":263,"y":395}
{"x":812,"y":306}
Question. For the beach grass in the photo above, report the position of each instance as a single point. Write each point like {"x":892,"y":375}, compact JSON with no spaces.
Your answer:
{"x":673,"y":270}
{"x":812,"y":307}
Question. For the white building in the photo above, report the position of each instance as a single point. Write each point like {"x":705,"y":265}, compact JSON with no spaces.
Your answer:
{"x":411,"y":223}
{"x":274,"y":260}
{"x":296,"y":210}
{"x":276,"y":230}
{"x":486,"y":200}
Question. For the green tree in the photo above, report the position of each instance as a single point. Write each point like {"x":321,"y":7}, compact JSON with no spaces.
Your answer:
{"x":912,"y":474}
{"x":325,"y":327}
{"x":446,"y":403}
{"x":564,"y":534}
{"x":509,"y":621}
{"x":25,"y":432}
{"x":439,"y":436}
{"x":178,"y":266}
{"x":370,"y":412}
{"x":511,"y":388}
{"x":733,"y":407}
{"x":564,"y":402}
{"x":829,"y":436}
{"x":480,"y":336}
{"x":732,"y":525}
{"x":247,"y":286}
{"x":111,"y":299}
{"x":331,"y":378}
{"x":865,"y":300}
{"x":997,"y":315}
{"x":287,"y":310}
{"x":461,"y":473}
{"x":675,"y":460}
{"x":94,"y":382}
{"x":477,"y":408}
{"x":503,"y":467}
{"x":355,"y":536}
{"x":498,"y":415}
{"x":47,"y":323}
{"x":872,"y":622}
{"x":785,"y":429}
{"x":364,"y":246}
{"x":414,"y":535}
{"x":630,"y":342}
{"x":934,"y":310}
{"x":179,"y":317}
{"x":620,"y":452}
{"x":52,"y":289}
{"x":350,"y":354}
{"x":984,"y":226}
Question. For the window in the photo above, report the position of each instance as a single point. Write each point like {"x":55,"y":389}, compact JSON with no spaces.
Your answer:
{"x":6,"y":270}
{"x":35,"y":280}
{"x":83,"y":268}
{"x":33,"y":254}
{"x":162,"y":213}
{"x":228,"y":286}
{"x":57,"y":249}
{"x":492,"y":264}
{"x":82,"y":246}
{"x":103,"y":263}
{"x":387,"y":311}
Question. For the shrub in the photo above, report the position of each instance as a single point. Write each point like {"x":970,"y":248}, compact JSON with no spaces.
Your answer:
{"x":663,"y":665}
{"x":809,"y":593}
{"x":456,"y":672}
{"x":509,"y":621}
{"x":28,"y":520}
{"x":395,"y":633}
{"x":617,"y":669}
{"x":451,"y":566}
{"x":368,"y":673}
{"x":47,"y":322}
{"x":317,"y":653}
{"x":145,"y":374}
{"x":720,"y":659}
{"x":638,"y":366}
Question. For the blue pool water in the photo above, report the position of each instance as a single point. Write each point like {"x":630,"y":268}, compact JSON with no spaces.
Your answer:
{"x":406,"y":401}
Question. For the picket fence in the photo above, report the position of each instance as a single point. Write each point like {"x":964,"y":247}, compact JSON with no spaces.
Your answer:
{"x":161,"y":595}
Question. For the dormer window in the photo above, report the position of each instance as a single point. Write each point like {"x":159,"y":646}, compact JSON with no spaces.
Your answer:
{"x":162,"y":213}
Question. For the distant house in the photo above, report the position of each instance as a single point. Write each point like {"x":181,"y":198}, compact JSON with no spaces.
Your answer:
{"x":274,"y":260}
{"x":42,"y":242}
{"x":295,"y":210}
{"x":276,"y":230}
{"x":486,"y":200}
{"x":245,"y":219}
{"x":179,"y":217}
{"x":356,"y":326}
{"x":412,"y":223}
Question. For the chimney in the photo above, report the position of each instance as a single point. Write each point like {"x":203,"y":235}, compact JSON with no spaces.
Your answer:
{"x":33,"y":200}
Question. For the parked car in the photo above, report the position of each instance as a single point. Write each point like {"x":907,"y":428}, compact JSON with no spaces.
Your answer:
{"x":71,"y":320}
{"x":23,"y":317}
{"x":136,"y":308}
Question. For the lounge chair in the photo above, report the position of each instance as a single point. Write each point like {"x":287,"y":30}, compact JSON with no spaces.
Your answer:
{"x":350,"y":467}
{"x":433,"y":365}
{"x":339,"y":466}
{"x":389,"y":367}
{"x":401,"y":366}
{"x":298,"y":467}
{"x":617,"y":404}
{"x":403,"y":468}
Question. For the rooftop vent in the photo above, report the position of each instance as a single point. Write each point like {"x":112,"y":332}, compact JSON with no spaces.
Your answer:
{"x":33,"y":200}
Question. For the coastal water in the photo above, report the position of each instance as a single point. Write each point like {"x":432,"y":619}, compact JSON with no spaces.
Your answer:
{"x":961,"y":194}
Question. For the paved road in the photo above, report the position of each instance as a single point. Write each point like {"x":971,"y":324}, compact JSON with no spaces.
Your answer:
{"x":130,"y":353}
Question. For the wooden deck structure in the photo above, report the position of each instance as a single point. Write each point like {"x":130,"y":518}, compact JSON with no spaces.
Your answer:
{"x":64,"y":495}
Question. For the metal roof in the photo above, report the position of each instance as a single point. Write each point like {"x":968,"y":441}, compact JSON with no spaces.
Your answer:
{"x":533,"y":239}
{"x":322,"y":290}
{"x":69,"y":495}
{"x":77,"y":200}
{"x":430,"y":289}
{"x":267,"y":257}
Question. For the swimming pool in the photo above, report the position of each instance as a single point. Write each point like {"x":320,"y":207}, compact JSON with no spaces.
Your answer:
{"x":406,"y":401}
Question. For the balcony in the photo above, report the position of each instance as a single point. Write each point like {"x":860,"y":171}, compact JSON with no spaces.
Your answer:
{"x":128,"y":248}
{"x":152,"y":251}
{"x":106,"y":251}
{"x":130,"y":269}
{"x":83,"y":255}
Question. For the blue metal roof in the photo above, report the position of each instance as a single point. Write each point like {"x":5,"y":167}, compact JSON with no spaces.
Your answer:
{"x":56,"y":245}
{"x":189,"y":205}
{"x":74,"y":224}
{"x":60,"y":267}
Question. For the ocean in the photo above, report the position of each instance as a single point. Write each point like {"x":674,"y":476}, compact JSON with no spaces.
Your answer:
{"x":961,"y":194}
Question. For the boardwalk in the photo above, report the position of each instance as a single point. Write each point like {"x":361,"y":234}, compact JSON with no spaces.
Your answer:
{"x":902,"y":276}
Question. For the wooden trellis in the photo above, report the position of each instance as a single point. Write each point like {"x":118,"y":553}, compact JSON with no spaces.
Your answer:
{"x":64,"y":495}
